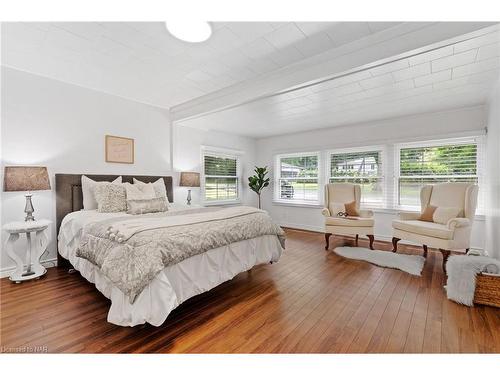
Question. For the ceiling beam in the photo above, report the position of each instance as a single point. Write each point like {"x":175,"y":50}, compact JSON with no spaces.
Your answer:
{"x":397,"y":41}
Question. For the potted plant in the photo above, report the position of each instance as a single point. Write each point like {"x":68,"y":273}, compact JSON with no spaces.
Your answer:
{"x":258,"y":181}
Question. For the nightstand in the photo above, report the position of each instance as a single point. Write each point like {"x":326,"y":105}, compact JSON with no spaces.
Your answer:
{"x":34,"y":251}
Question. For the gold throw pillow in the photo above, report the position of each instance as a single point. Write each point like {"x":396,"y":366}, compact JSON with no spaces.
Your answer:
{"x":428,"y":214}
{"x":350,"y":208}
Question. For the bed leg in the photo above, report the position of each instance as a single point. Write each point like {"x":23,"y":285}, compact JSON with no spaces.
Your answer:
{"x":63,"y":262}
{"x":271,"y":262}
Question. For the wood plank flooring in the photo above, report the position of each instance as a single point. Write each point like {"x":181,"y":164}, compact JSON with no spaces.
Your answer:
{"x":312,"y":301}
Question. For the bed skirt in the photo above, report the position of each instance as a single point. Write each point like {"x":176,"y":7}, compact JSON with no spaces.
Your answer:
{"x":176,"y":283}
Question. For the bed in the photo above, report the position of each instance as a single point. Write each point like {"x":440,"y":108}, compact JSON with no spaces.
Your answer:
{"x":174,"y":283}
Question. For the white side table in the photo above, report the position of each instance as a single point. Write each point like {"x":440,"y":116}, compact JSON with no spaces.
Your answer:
{"x":34,"y":268}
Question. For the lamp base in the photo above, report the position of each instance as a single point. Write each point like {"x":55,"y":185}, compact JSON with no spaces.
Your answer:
{"x":189,"y":198}
{"x":28,"y":209}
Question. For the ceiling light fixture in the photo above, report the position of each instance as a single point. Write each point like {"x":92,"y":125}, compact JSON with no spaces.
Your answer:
{"x":190,"y":31}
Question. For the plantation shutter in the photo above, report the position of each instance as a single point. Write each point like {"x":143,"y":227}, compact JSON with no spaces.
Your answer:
{"x":220,"y":166}
{"x":221,"y":178}
{"x":456,"y":160}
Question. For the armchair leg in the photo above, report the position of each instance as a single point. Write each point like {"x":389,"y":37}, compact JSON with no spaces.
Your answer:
{"x":372,"y":238}
{"x":467,"y":251}
{"x":446,"y":254}
{"x":327,"y":240}
{"x":356,"y":242}
{"x":425,"y":250}
{"x":395,"y":241}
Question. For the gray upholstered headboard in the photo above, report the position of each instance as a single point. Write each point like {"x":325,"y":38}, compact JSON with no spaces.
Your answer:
{"x":69,"y":196}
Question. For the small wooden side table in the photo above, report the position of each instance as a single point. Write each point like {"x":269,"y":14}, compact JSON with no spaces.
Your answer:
{"x":34,"y":268}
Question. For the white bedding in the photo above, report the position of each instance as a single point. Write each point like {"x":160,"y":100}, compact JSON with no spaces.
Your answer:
{"x":176,"y":283}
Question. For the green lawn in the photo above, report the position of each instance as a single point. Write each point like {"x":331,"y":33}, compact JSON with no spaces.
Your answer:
{"x":218,"y":191}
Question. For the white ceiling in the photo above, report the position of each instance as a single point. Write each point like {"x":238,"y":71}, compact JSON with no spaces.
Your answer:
{"x":458,"y":75}
{"x":143,"y":62}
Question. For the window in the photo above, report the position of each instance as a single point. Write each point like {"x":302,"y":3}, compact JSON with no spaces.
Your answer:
{"x":297,"y":178}
{"x":221,"y":177}
{"x":445,"y":161}
{"x":360,"y":166}
{"x":390,"y":175}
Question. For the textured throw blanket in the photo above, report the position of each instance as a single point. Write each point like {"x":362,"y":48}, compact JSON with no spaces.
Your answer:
{"x":151,"y":243}
{"x":122,"y":230}
{"x":462,"y":271}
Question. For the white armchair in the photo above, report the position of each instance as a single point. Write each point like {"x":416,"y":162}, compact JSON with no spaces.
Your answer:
{"x":452,"y":236}
{"x":336,"y":195}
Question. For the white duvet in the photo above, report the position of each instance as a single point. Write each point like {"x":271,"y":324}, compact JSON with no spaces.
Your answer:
{"x":176,"y":283}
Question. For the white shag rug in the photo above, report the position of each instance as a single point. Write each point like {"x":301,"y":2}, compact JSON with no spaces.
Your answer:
{"x":462,"y":271}
{"x":411,"y":264}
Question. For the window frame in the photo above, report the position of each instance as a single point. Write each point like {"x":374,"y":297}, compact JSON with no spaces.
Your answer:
{"x":383,"y":153}
{"x":478,"y":140}
{"x":277,"y":177}
{"x":221,"y":153}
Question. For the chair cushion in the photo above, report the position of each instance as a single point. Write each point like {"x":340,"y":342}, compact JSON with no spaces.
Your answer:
{"x":357,"y":222}
{"x":424,"y":228}
{"x":443,"y":214}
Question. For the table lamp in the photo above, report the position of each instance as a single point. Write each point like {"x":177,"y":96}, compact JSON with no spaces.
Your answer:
{"x":190,"y":179}
{"x":21,"y":178}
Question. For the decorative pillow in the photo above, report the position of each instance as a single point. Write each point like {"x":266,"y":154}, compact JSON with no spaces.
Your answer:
{"x":139,"y":191}
{"x":428,"y":213}
{"x":335,"y":208}
{"x":88,"y":185}
{"x":110,"y":197}
{"x":443,"y":214}
{"x":158,"y":186}
{"x":146,"y":206}
{"x":350,"y":208}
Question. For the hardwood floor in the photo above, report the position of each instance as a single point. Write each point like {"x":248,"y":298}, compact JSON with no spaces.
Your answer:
{"x":311,"y":301}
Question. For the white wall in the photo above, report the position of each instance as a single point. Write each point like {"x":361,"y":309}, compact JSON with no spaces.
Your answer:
{"x":412,"y":128}
{"x":62,"y":126}
{"x":187,"y":144}
{"x":492,"y":245}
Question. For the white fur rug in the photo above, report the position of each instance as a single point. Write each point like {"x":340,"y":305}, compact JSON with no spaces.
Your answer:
{"x":462,"y":271}
{"x":411,"y":264}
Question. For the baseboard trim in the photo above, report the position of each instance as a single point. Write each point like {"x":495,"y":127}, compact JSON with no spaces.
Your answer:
{"x":306,"y":228}
{"x":47,"y":263}
{"x":378,"y":237}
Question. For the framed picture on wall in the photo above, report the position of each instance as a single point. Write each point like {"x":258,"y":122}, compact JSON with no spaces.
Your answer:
{"x":119,"y":149}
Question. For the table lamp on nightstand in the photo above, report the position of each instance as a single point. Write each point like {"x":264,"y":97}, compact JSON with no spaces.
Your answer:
{"x":190,"y":179}
{"x":21,"y":178}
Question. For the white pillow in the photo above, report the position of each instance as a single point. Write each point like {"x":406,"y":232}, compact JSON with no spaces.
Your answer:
{"x":443,"y":214}
{"x":88,"y":185}
{"x":139,"y":191}
{"x":158,"y":186}
{"x":146,"y":206}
